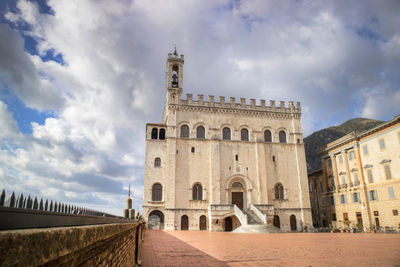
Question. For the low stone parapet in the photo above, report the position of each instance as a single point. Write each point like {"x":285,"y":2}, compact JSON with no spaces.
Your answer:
{"x":96,"y":245}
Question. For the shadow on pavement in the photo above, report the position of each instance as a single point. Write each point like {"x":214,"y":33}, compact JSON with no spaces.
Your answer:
{"x":161,"y":248}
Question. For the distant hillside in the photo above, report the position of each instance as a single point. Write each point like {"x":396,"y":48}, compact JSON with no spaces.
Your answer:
{"x":315,"y":142}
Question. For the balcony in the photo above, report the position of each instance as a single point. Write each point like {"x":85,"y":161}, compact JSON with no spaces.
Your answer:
{"x":342,"y":186}
{"x":331,"y":188}
{"x":354,"y":184}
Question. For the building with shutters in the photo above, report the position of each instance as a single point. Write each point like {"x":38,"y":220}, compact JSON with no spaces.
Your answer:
{"x":220,"y":164}
{"x":360,"y":184}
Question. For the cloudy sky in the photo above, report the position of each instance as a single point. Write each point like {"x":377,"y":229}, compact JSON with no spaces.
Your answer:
{"x":79,"y":79}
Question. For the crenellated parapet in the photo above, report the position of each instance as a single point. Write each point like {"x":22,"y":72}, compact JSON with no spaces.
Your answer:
{"x":243,"y":104}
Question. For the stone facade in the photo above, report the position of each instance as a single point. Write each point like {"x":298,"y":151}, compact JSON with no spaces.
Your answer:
{"x":361,"y":179}
{"x":207,"y":155}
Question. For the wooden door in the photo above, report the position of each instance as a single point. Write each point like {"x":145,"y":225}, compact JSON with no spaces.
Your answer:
{"x":228,"y":224}
{"x":293,"y":224}
{"x":203,"y":222}
{"x":237,"y":199}
{"x":184,"y":222}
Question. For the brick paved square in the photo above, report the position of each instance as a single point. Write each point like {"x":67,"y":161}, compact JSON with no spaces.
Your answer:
{"x":201,"y":248}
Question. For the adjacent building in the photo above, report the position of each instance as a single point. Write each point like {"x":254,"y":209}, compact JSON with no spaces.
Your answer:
{"x":220,"y":164}
{"x":360,"y":181}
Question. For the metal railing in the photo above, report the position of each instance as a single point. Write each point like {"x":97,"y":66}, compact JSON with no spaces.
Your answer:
{"x":18,"y":212}
{"x":356,"y":183}
{"x":341,"y":186}
{"x":331,"y":188}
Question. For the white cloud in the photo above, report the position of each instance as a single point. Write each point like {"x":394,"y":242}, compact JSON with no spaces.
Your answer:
{"x":19,"y":72}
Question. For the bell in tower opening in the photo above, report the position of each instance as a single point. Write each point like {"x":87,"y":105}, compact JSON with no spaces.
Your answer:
{"x":174,"y":82}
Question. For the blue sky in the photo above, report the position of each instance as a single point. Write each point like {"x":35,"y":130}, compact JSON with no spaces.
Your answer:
{"x":79,"y":79}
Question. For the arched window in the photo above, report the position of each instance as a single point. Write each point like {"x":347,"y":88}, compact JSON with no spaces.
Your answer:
{"x":244,"y":135}
{"x":282,"y":137}
{"x":279,"y":191}
{"x":200,"y":132}
{"x":185,"y":131}
{"x":226,"y":133}
{"x":267,"y":136}
{"x":156,"y":192}
{"x":154,"y":133}
{"x":162,"y":134}
{"x":157,"y":162}
{"x":197,"y":192}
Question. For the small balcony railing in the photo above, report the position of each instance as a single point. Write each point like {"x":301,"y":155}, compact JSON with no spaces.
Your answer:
{"x":342,"y":186}
{"x":331,"y":188}
{"x":356,"y":183}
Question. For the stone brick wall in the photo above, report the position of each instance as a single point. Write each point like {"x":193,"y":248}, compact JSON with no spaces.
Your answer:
{"x":96,"y":245}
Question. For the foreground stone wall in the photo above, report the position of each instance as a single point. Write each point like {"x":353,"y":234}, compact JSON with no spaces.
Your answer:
{"x":95,"y":245}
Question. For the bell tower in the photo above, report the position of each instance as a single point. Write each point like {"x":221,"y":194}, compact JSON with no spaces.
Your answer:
{"x":174,"y":77}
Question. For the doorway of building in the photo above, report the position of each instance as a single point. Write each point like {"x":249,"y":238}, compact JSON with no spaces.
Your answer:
{"x":156,"y":220}
{"x":228,"y":224}
{"x":184,"y":222}
{"x":377,"y":224}
{"x":237,"y":199}
{"x":293,"y":224}
{"x":276,"y":222}
{"x":203,"y":222}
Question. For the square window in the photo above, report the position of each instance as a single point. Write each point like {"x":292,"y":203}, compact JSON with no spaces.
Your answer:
{"x":356,"y":197}
{"x":345,"y":216}
{"x":382,"y":144}
{"x":365,"y":150}
{"x":343,"y":199}
{"x":376,"y":213}
{"x":395,"y":212}
{"x":372,"y":195}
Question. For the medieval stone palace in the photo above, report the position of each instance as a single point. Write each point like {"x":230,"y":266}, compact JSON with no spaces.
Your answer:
{"x":223,"y":165}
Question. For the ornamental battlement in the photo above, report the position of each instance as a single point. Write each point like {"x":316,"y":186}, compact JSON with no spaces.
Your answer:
{"x":231,"y":103}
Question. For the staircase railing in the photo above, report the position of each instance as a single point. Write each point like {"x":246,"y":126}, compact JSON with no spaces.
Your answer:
{"x":258,"y":213}
{"x":241,"y":216}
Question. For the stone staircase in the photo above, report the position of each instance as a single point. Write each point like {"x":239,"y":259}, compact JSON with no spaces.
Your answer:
{"x":255,"y":224}
{"x":252,"y":217}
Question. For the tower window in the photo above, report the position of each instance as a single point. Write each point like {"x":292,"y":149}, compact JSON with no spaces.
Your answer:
{"x":154,"y":133}
{"x":162,"y":134}
{"x":184,"y":131}
{"x":193,"y":149}
{"x":156,"y":192}
{"x":226,"y":133}
{"x":267,"y":136}
{"x":200,"y":132}
{"x":236,"y":157}
{"x":157,"y":162}
{"x":244,"y":134}
{"x":282,"y":137}
{"x":279,"y":191}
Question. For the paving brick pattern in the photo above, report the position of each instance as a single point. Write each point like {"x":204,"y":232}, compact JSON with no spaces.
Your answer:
{"x":200,"y":248}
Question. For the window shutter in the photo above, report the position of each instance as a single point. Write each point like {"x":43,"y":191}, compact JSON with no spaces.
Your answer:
{"x":369,"y":195}
{"x":376,"y":195}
